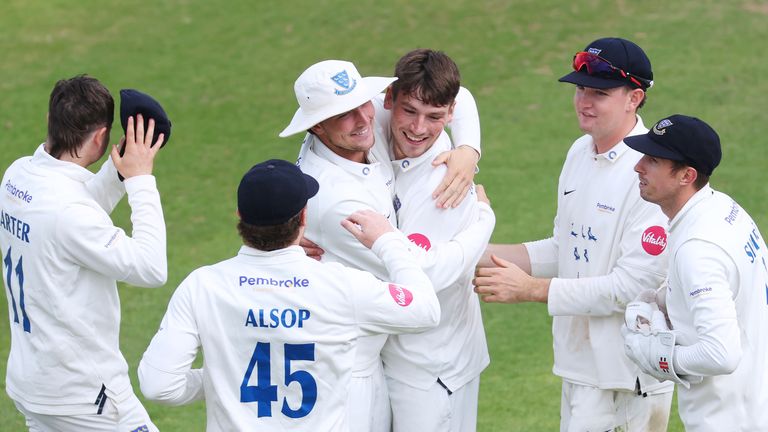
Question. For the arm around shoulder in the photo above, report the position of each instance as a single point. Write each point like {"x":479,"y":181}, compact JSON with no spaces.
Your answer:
{"x":412,"y":295}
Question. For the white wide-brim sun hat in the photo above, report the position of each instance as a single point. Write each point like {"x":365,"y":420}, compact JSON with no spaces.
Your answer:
{"x":330,"y":88}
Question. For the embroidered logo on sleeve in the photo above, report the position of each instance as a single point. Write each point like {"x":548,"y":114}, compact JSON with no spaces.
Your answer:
{"x":420,"y":240}
{"x":699,"y":291}
{"x":654,"y":240}
{"x":401,"y":295}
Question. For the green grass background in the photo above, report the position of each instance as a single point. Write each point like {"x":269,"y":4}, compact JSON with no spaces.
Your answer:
{"x":224,"y":70}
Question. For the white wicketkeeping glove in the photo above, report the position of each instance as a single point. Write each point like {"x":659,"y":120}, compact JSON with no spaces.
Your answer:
{"x":654,"y":350}
{"x":639,"y":312}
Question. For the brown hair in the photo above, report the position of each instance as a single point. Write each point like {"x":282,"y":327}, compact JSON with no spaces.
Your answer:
{"x":77,"y":107}
{"x":430,"y":76}
{"x":270,"y":237}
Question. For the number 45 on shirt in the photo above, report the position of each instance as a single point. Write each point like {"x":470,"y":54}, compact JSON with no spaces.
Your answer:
{"x":264,"y":392}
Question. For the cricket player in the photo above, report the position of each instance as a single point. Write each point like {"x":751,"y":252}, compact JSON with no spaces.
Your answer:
{"x":62,"y":257}
{"x":716,"y":287}
{"x":433,"y":376}
{"x":335,"y":107}
{"x":279,"y":330}
{"x":608,"y":245}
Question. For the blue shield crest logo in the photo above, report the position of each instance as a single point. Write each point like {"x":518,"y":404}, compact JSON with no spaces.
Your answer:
{"x":342,"y":79}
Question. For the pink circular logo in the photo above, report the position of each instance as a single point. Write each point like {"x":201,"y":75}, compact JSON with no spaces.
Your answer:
{"x":654,"y":240}
{"x":420,"y":240}
{"x":402,"y":296}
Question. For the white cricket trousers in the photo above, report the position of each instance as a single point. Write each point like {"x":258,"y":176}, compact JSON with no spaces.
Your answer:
{"x":126,"y":416}
{"x":368,"y":407}
{"x":585,"y":408}
{"x":433,"y":410}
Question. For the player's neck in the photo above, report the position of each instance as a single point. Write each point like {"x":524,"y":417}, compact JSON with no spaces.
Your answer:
{"x":77,"y":159}
{"x":678,"y":201}
{"x":606,"y":141}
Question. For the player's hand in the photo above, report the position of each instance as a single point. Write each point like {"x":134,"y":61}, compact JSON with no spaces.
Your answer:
{"x":508,"y":283}
{"x":367,"y":226}
{"x":311,"y":248}
{"x":139,"y":155}
{"x":461,"y":164}
{"x":654,"y":353}
{"x":661,"y":300}
{"x":638,"y":315}
{"x":481,"y":196}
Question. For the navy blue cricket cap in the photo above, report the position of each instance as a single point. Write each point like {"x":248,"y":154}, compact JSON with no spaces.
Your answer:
{"x":272,"y":192}
{"x":621,"y":53}
{"x":133,"y":102}
{"x":681,"y":138}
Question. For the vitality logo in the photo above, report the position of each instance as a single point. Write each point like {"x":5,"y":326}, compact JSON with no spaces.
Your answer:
{"x":420,"y":240}
{"x":654,"y":240}
{"x":401,"y":295}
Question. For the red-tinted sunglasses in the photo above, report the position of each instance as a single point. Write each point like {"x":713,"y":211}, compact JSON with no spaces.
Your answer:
{"x":597,"y":65}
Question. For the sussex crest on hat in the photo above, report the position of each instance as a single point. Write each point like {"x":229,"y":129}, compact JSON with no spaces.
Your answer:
{"x":660,"y":127}
{"x":342,"y":79}
{"x":329,"y":88}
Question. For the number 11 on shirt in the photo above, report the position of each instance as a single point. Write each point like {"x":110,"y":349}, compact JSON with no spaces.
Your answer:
{"x":20,"y":275}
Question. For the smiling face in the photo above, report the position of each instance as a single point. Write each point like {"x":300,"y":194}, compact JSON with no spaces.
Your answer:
{"x":606,"y":114}
{"x":349,"y":134}
{"x":415,"y":125}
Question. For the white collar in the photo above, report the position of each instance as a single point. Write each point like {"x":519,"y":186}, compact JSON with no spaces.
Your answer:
{"x":441,"y":144}
{"x":615,"y":152}
{"x":72,"y":170}
{"x":699,"y":196}
{"x":355,"y":168}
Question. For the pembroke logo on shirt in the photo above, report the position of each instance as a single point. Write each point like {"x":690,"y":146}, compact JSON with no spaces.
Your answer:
{"x":17,"y":192}
{"x":291,"y":282}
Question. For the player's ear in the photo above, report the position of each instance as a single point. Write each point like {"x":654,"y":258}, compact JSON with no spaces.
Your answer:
{"x":99,"y":139}
{"x":635,"y":98}
{"x":317,"y":130}
{"x":303,"y":217}
{"x":689,"y":176}
{"x":449,"y":117}
{"x":388,"y":99}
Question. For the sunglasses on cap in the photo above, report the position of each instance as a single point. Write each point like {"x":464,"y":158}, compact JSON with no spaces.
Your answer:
{"x":597,"y":65}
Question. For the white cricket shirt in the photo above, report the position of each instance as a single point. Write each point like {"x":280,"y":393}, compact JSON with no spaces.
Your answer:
{"x":346,"y":187}
{"x":455,"y":351}
{"x":717,"y":300}
{"x":278,"y":332}
{"x":61,"y":258}
{"x":607,"y":246}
